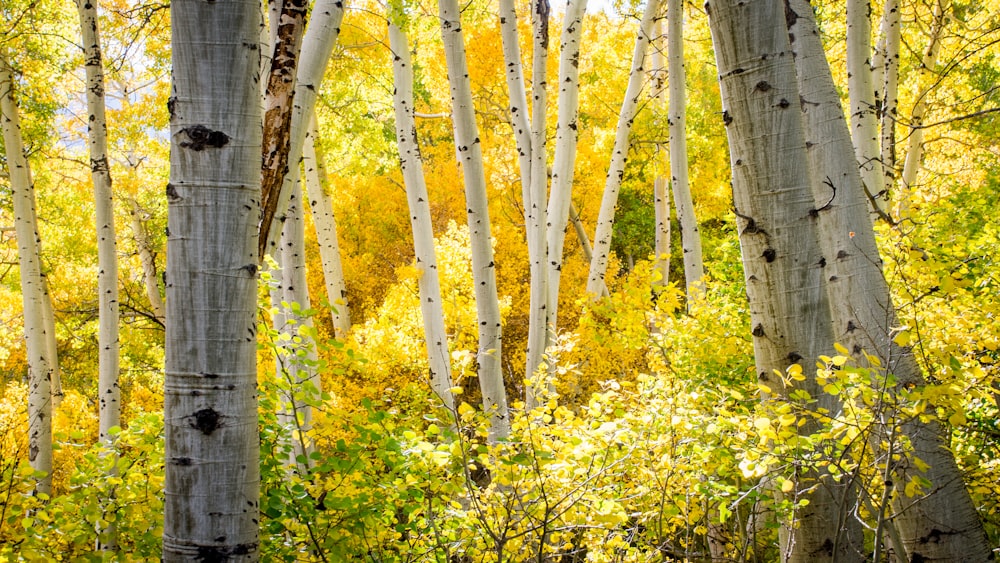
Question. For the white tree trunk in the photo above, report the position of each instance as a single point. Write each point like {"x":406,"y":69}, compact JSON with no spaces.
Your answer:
{"x":888,"y":83}
{"x":694,"y":269}
{"x":144,"y":248}
{"x":317,"y":46}
{"x":915,"y":144}
{"x":325,"y":224}
{"x":431,"y":307}
{"x":535,"y":206}
{"x":469,"y":153}
{"x":32,"y":285}
{"x":606,"y":217}
{"x":661,"y":185}
{"x":107,"y":255}
{"x":212,"y":446}
{"x":864,"y":315}
{"x":782,"y":259}
{"x":564,"y":158}
{"x":864,"y":111}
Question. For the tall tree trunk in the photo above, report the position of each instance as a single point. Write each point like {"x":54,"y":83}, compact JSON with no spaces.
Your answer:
{"x":694,"y":269}
{"x":616,"y":169}
{"x":564,"y":159}
{"x":317,"y":46}
{"x":782,"y":258}
{"x":289,"y":26}
{"x":661,"y":185}
{"x":325,"y":224}
{"x":33,"y":292}
{"x":470,"y":156}
{"x":864,"y":111}
{"x":212,"y":446}
{"x":942,"y":526}
{"x":915,"y":144}
{"x":107,"y":254}
{"x":431,"y":306}
{"x":887,"y":74}
{"x":535,"y":206}
{"x":146,"y":257}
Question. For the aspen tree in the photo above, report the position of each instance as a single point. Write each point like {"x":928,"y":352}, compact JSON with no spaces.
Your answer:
{"x":864,"y":112}
{"x":469,"y":154}
{"x":212,"y":483}
{"x":33,"y":289}
{"x":661,"y":185}
{"x":411,"y":163}
{"x":596,"y":286}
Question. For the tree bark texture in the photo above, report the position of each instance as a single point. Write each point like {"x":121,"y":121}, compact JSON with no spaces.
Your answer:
{"x":661,"y":185}
{"x":411,"y":163}
{"x":33,"y":289}
{"x":596,"y":285}
{"x":782,"y":258}
{"x":864,"y":110}
{"x":212,"y":446}
{"x":469,"y":153}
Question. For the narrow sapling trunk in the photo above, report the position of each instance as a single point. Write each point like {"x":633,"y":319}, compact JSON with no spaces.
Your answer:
{"x":326,"y":234}
{"x":887,"y":70}
{"x":864,"y":315}
{"x":32,"y":285}
{"x":431,"y":306}
{"x":212,"y":478}
{"x":782,"y":257}
{"x":145,"y":250}
{"x":596,"y":286}
{"x":469,"y":153}
{"x":661,"y":185}
{"x":864,"y":111}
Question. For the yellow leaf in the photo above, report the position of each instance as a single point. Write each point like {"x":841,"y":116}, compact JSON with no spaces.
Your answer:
{"x":787,"y":485}
{"x":957,"y":419}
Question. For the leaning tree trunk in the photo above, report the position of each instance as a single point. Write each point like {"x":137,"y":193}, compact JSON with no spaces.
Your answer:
{"x":596,"y":286}
{"x":431,"y":306}
{"x":145,"y":250}
{"x":212,"y":478}
{"x":864,"y":111}
{"x":864,"y":315}
{"x":470,"y":156}
{"x":325,"y":224}
{"x":33,"y":291}
{"x":694,"y":270}
{"x":564,"y":158}
{"x":107,"y":254}
{"x":317,"y":46}
{"x":782,"y":259}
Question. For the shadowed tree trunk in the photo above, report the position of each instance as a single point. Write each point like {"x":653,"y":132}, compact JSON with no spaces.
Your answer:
{"x":210,"y":409}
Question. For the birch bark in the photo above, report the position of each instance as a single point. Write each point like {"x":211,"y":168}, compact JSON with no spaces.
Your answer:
{"x":782,"y":258}
{"x":325,"y":224}
{"x":661,"y":186}
{"x":889,"y":84}
{"x":606,"y":217}
{"x":469,"y":153}
{"x":864,"y":111}
{"x":212,"y":446}
{"x":864,"y":315}
{"x":32,"y":285}
{"x":431,"y":306}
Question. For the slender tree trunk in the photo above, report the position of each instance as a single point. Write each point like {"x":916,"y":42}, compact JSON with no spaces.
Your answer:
{"x":317,"y":46}
{"x":915,"y":144}
{"x":864,"y":111}
{"x":325,"y":224}
{"x":107,"y":254}
{"x":661,"y":185}
{"x":148,"y":260}
{"x":581,"y":233}
{"x":469,"y":152}
{"x":888,"y":72}
{"x":564,"y":158}
{"x":864,"y":315}
{"x":51,"y":342}
{"x":605,"y":221}
{"x":782,"y":258}
{"x":694,"y":269}
{"x":288,"y":27}
{"x":431,"y":306}
{"x":212,"y":445}
{"x":32,"y":285}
